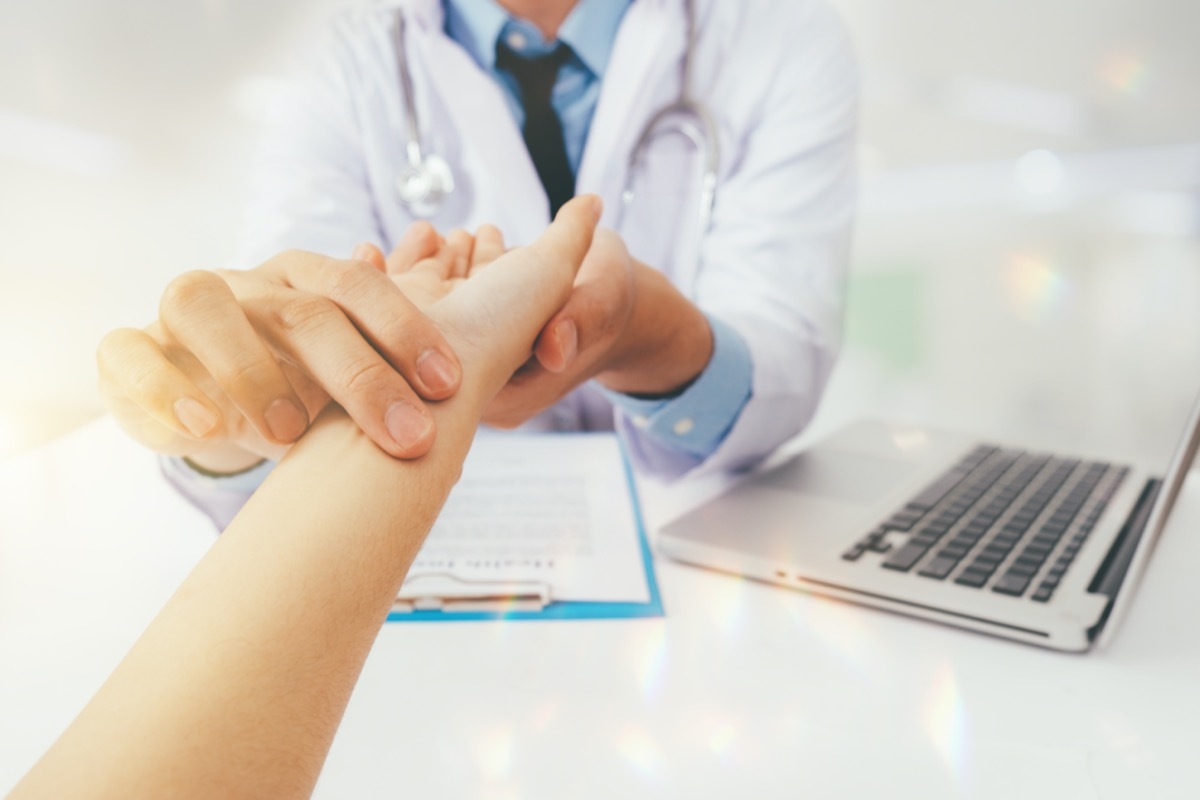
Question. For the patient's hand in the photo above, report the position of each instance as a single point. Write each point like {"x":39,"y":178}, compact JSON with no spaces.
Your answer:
{"x":490,"y":304}
{"x":624,"y":325}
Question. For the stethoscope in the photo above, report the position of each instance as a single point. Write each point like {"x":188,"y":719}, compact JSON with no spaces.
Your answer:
{"x":427,"y":180}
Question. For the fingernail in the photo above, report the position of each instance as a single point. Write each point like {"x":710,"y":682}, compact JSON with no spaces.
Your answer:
{"x":597,"y":206}
{"x":362,"y":252}
{"x":195,"y":416}
{"x":406,"y":424}
{"x":568,"y":339}
{"x":436,"y":371}
{"x":286,"y":420}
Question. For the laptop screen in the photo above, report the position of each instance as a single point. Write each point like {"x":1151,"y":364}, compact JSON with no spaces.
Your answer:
{"x":1177,"y":470}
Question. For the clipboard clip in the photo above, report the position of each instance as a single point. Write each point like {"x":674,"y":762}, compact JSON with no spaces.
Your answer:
{"x":444,"y":592}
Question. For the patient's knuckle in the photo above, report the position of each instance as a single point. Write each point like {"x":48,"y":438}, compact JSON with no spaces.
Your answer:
{"x":303,"y":313}
{"x":114,"y":345}
{"x":364,"y":377}
{"x":406,"y":326}
{"x":245,"y":379}
{"x":148,"y":387}
{"x":344,"y":280}
{"x":189,"y":292}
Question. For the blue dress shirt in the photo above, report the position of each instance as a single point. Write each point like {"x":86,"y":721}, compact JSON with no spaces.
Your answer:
{"x":697,"y":420}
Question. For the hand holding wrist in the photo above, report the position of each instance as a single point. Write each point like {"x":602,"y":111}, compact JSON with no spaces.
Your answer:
{"x":663,"y":347}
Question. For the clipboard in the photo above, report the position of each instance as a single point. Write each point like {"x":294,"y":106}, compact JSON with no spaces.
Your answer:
{"x":527,"y":600}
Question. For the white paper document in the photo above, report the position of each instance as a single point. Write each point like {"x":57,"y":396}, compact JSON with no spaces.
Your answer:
{"x":541,"y":517}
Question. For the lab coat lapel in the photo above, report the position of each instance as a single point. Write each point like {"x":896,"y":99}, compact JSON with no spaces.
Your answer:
{"x":486,"y":129}
{"x":647,"y":55}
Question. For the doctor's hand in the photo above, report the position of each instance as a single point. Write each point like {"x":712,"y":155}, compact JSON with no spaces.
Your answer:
{"x":239,"y":362}
{"x":625,"y":326}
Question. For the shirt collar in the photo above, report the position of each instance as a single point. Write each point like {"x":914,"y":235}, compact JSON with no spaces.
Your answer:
{"x":589,"y":30}
{"x":476,"y":25}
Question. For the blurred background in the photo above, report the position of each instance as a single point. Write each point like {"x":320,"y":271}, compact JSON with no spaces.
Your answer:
{"x":1027,"y":256}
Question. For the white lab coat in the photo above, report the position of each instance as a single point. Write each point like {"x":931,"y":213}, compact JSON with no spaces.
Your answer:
{"x":779,"y":79}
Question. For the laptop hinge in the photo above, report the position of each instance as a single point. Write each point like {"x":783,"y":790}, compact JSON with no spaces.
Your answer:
{"x":1111,"y":574}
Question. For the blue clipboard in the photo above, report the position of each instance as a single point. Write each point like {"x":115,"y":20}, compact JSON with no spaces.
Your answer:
{"x":567,"y":610}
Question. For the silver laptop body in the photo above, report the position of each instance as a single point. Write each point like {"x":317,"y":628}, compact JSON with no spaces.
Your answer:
{"x":1007,"y":541}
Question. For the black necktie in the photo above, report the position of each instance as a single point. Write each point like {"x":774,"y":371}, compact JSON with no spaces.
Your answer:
{"x":543,"y":130}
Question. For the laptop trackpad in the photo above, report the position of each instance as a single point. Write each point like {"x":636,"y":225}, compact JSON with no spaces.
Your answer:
{"x":837,"y":475}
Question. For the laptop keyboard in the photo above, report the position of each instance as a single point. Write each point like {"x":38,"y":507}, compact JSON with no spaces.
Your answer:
{"x":1000,"y":520}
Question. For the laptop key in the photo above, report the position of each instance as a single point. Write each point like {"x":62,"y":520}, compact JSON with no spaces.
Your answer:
{"x":973,"y":578}
{"x":1026,"y":571}
{"x":904,"y":558}
{"x":1012,"y":583}
{"x":1042,"y":594}
{"x":939,"y":568}
{"x":956,"y":547}
{"x":986,"y":559}
{"x":855,"y":552}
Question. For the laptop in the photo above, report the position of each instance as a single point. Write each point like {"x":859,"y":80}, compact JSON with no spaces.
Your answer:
{"x":1028,"y":545}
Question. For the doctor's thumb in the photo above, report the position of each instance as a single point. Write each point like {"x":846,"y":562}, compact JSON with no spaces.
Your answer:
{"x":557,"y":344}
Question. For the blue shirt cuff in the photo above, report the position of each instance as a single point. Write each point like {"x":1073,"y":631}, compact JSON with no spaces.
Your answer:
{"x":698,"y":419}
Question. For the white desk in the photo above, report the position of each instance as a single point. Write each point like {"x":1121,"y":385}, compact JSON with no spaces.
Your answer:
{"x":741,"y":690}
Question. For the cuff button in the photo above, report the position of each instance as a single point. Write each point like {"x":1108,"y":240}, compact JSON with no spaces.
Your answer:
{"x":683,"y":427}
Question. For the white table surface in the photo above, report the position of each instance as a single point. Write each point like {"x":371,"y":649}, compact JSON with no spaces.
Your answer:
{"x":742,"y":689}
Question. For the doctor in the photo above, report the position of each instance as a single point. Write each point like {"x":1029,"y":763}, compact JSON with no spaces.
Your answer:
{"x":720,"y":136}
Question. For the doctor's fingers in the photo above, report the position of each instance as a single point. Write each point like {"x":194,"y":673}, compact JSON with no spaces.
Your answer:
{"x":314,"y":334}
{"x":201,"y":313}
{"x":150,"y":397}
{"x":371,"y":301}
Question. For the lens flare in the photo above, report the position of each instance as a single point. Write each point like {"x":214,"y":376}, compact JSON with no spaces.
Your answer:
{"x":648,"y":657}
{"x":727,"y":607}
{"x":1125,"y":72}
{"x":1036,"y":287}
{"x":945,"y":721}
{"x":544,"y":713}
{"x":495,"y":752}
{"x":641,"y":751}
{"x":721,"y":738}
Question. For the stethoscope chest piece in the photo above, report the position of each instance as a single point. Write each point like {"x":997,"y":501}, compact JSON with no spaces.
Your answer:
{"x":424,"y":185}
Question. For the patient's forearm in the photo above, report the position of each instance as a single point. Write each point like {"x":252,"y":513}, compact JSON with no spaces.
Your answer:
{"x":238,"y":686}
